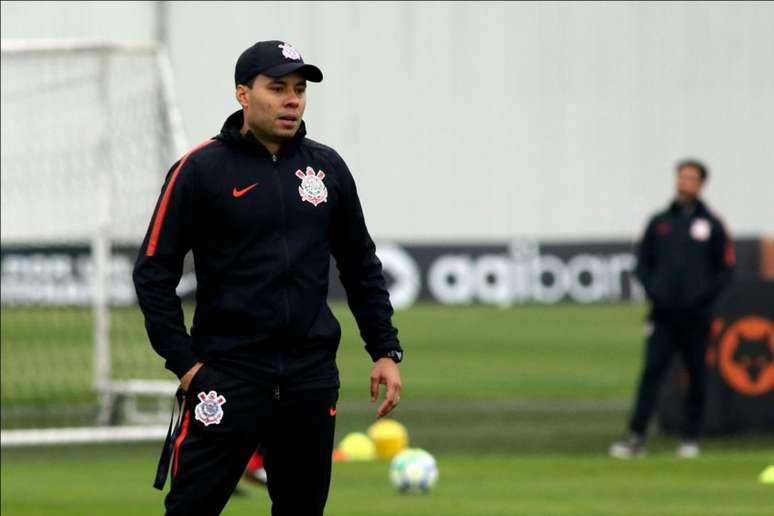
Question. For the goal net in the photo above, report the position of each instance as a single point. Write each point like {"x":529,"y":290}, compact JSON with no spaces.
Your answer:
{"x":88,"y":132}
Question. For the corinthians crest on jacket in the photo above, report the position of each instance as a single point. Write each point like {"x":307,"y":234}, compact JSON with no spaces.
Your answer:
{"x":312,"y":188}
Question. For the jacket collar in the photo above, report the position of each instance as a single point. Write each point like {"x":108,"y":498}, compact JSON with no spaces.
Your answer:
{"x":699,"y":211}
{"x":230,"y":134}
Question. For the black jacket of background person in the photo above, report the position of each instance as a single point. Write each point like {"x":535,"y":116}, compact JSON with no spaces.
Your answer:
{"x":262,"y":257}
{"x":685,"y":260}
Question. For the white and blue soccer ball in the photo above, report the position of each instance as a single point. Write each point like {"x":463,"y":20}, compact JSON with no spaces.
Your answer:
{"x":413,"y":471}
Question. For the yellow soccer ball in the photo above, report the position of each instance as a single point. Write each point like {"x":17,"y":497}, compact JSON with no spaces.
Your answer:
{"x":389,"y":437}
{"x":357,"y":446}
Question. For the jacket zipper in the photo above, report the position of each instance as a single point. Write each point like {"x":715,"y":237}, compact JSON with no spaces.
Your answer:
{"x":280,"y":365}
{"x":284,"y":234}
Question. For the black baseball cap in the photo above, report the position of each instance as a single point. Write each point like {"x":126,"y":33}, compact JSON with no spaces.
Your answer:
{"x":275,"y":59}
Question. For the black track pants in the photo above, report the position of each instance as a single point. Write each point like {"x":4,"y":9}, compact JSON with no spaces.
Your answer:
{"x":688,"y":336}
{"x":224,"y":420}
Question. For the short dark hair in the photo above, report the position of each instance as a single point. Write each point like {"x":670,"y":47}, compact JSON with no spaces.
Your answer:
{"x":250,"y":83}
{"x":694,"y":163}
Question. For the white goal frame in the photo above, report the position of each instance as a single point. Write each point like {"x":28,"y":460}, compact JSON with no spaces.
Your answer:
{"x":109,"y":392}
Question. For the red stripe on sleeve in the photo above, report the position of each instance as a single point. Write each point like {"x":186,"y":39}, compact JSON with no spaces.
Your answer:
{"x":179,"y":441}
{"x":162,"y":211}
{"x":730,"y":256}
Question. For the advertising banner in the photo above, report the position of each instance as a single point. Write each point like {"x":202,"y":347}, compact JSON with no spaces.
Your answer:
{"x":740,"y":362}
{"x":504,"y":274}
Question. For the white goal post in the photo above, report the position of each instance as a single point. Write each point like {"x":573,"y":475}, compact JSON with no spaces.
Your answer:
{"x":88,"y":131}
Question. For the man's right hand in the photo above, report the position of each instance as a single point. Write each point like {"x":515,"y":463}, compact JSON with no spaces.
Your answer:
{"x":185,"y":381}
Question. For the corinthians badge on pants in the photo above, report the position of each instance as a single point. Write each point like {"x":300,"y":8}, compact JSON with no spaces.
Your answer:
{"x":209,"y":410}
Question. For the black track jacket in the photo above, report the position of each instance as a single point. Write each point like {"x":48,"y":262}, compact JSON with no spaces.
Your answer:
{"x":262,"y":229}
{"x":685,"y":260}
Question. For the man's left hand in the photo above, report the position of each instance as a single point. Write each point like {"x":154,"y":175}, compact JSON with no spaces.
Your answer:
{"x":386,"y":372}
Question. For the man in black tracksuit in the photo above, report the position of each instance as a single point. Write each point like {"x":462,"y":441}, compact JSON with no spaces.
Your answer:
{"x":685,"y":260}
{"x":262,"y":208}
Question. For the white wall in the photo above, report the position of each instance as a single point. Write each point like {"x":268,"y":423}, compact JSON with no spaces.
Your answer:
{"x":125,"y":22}
{"x":493,"y":120}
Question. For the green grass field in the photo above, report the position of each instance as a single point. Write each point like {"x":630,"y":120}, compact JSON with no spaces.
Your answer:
{"x":118,"y":484}
{"x":518,"y":405}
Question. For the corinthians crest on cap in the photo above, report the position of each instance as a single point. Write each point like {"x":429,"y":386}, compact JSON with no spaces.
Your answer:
{"x":289,"y":51}
{"x":312,"y":188}
{"x":209,"y":410}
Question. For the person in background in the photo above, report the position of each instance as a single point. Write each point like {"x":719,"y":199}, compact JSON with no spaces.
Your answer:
{"x":685,"y":260}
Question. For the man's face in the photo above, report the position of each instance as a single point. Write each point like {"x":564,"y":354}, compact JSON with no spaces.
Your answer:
{"x":689,"y":183}
{"x":274,"y":106}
